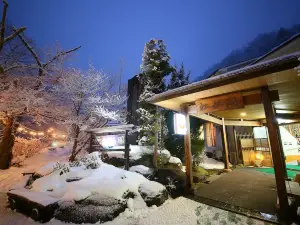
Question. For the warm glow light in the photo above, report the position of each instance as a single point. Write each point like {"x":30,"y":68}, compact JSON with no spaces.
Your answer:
{"x":50,"y":130}
{"x":179,"y":124}
{"x":259,"y":156}
{"x":243,"y":114}
{"x":41,"y":133}
{"x":54,"y":144}
{"x":19,"y":129}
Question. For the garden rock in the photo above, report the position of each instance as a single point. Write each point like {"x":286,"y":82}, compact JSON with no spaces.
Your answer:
{"x":141,"y":169}
{"x":153,"y":193}
{"x":173,"y":179}
{"x":91,"y":210}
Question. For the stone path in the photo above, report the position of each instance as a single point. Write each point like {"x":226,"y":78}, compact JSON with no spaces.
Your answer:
{"x":245,"y":188}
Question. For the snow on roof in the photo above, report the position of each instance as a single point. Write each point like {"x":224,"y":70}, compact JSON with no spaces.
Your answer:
{"x":111,"y":129}
{"x":206,"y":84}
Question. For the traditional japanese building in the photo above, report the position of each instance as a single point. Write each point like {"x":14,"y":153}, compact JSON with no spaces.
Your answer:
{"x":244,"y":106}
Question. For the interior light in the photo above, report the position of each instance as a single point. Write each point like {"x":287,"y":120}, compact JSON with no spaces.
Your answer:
{"x":243,"y":114}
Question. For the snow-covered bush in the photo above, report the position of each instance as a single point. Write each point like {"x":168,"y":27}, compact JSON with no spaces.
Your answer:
{"x":90,"y":161}
{"x":163,"y":157}
{"x":24,"y":148}
{"x":175,"y":160}
{"x":61,"y":168}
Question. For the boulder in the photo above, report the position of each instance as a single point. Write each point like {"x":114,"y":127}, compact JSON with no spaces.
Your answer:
{"x":173,"y":179}
{"x":153,"y":193}
{"x":141,"y":169}
{"x":90,"y":210}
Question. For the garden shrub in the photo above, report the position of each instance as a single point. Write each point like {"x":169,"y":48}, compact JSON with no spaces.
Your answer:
{"x":24,"y":148}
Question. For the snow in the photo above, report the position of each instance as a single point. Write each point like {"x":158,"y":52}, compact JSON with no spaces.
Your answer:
{"x":165,"y":152}
{"x":144,"y":170}
{"x":106,"y":180}
{"x":151,"y":188}
{"x":175,"y":160}
{"x":136,"y":152}
{"x":210,"y":164}
{"x":111,"y":181}
{"x":13,"y":175}
{"x":35,"y":196}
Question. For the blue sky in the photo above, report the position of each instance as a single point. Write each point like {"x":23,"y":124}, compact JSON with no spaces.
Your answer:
{"x":198,"y":33}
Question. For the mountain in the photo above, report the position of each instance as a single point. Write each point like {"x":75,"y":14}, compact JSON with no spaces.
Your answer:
{"x":259,"y":46}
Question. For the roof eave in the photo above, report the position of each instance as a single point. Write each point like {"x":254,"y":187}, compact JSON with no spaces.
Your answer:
{"x":285,"y":62}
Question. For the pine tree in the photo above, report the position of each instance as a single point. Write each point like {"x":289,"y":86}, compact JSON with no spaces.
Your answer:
{"x":178,"y":77}
{"x":155,"y":67}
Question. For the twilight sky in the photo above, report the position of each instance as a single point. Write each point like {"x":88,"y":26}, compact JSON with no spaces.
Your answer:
{"x":196,"y":32}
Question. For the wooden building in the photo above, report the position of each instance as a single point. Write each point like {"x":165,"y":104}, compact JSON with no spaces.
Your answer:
{"x":259,"y":92}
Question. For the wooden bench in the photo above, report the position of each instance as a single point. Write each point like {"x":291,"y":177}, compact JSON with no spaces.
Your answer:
{"x":38,"y":206}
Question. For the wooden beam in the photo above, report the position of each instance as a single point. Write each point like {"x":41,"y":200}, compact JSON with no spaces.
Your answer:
{"x":192,"y":111}
{"x":276,"y":151}
{"x":188,"y":152}
{"x":256,"y":98}
{"x":243,"y":123}
{"x":220,"y":103}
{"x":226,"y":163}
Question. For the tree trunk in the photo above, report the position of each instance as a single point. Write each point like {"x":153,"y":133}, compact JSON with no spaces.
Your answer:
{"x":74,"y":152}
{"x":7,"y":144}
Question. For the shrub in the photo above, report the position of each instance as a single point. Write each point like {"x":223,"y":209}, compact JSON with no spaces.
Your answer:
{"x":62,"y":168}
{"x":24,"y":148}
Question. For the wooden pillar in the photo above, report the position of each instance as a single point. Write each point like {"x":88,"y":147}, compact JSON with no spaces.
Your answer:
{"x":281,"y":152}
{"x":188,"y":153}
{"x":126,"y":153}
{"x":226,"y":162}
{"x":276,"y":150}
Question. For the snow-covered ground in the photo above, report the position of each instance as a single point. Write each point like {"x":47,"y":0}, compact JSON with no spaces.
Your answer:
{"x":173,"y":212}
{"x":44,"y":157}
{"x":177,"y":211}
{"x":210,"y":164}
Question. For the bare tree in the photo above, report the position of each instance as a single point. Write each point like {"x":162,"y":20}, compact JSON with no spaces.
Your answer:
{"x":92,"y":99}
{"x":23,"y":95}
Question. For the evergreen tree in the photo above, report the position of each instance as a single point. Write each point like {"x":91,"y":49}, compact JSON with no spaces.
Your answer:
{"x":155,"y":67}
{"x":178,"y":77}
